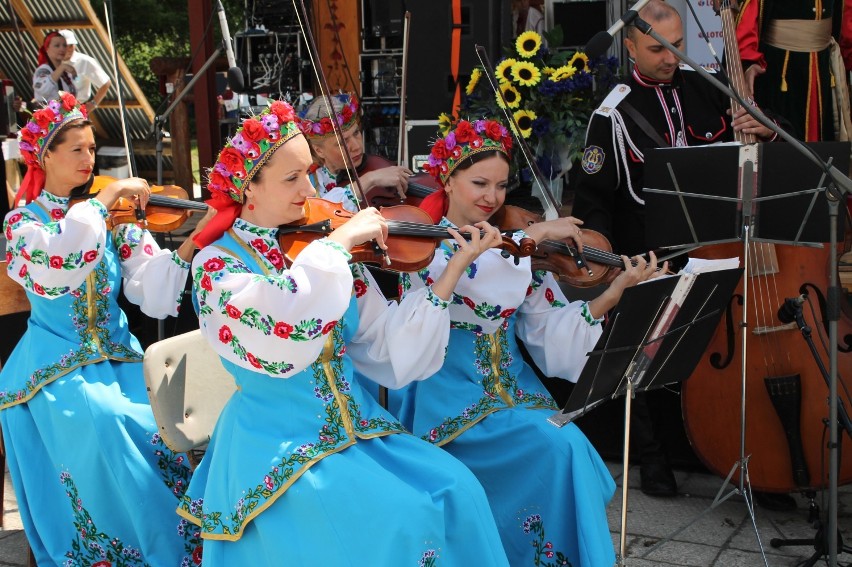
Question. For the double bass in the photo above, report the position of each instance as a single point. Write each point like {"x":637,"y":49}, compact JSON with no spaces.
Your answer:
{"x":786,"y":429}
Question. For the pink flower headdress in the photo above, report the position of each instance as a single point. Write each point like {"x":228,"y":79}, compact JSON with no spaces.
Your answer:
{"x":346,"y":118}
{"x":243,"y":155}
{"x":37,"y":135}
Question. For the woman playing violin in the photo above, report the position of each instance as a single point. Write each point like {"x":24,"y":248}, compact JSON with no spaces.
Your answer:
{"x":303,"y":467}
{"x":547,"y":486}
{"x":316,"y":125}
{"x":92,"y":478}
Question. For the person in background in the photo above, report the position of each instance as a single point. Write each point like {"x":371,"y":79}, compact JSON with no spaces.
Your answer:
{"x":661,"y":105}
{"x":793,"y":62}
{"x":328,"y":174}
{"x":547,"y":486}
{"x":53,"y":73}
{"x":94,"y":482}
{"x":304,"y":467}
{"x":527,"y":16}
{"x":89,"y":73}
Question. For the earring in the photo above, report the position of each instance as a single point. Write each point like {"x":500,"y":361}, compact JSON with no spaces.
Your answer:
{"x":250,"y":207}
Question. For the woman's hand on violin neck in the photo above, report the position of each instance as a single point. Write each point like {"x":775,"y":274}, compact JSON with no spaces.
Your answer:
{"x":364,"y":226}
{"x":394,"y":176}
{"x":558,"y":229}
{"x":468,"y":252}
{"x":482,"y":237}
{"x":134,"y":189}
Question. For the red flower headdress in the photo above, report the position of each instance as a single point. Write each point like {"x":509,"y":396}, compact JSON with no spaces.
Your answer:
{"x":35,"y":137}
{"x":347,"y":117}
{"x":464,"y":140}
{"x":243,"y":155}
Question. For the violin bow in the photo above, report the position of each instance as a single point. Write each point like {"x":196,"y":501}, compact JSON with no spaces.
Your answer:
{"x":400,"y":152}
{"x":131,"y":162}
{"x":313,"y":54}
{"x":551,"y":207}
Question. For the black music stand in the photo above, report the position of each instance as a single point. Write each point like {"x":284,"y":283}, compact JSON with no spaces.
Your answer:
{"x":755,"y":192}
{"x":634,"y":355}
{"x":786,"y":203}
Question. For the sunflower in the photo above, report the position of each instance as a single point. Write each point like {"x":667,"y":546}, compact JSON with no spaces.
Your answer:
{"x":510,"y":95}
{"x":580,"y":61}
{"x":564,"y":72}
{"x":528,"y":44}
{"x":548,"y":71}
{"x":504,"y":70}
{"x":524,"y":118}
{"x":526,"y":74}
{"x":445,"y":123}
{"x":474,"y":80}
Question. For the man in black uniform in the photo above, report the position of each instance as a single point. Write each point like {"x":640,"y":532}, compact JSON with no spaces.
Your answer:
{"x":661,"y":105}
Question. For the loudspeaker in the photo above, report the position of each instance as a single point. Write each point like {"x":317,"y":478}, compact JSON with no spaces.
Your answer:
{"x":580,"y":20}
{"x":386,"y":17}
{"x":483,"y":22}
{"x":420,"y":135}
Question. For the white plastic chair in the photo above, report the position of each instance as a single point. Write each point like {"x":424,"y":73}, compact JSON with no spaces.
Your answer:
{"x":188,"y":387}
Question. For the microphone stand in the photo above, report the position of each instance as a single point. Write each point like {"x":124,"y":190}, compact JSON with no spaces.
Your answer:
{"x":838,"y":184}
{"x":160,"y":119}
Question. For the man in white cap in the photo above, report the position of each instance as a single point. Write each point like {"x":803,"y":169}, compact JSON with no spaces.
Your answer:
{"x":89,"y":73}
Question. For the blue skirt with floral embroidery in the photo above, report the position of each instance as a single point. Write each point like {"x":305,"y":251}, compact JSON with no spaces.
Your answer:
{"x":386,"y":501}
{"x":94,"y":483}
{"x":547,"y":486}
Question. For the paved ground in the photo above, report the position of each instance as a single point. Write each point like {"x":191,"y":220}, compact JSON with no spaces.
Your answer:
{"x":723,"y":537}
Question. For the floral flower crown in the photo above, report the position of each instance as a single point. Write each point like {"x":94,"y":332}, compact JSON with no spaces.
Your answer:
{"x":254,"y":143}
{"x":46,"y":122}
{"x":347,"y":117}
{"x":466,"y":139}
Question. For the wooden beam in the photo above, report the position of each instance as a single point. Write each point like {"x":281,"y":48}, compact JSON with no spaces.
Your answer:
{"x":206,"y":105}
{"x":122,"y":68}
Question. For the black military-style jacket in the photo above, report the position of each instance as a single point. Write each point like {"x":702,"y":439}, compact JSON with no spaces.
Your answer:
{"x":687,"y":111}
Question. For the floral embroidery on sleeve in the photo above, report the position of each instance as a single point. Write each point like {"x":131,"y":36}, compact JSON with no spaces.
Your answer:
{"x":336,"y":246}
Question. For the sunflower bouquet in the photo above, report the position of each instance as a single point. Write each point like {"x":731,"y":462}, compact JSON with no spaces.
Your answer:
{"x":550,"y":93}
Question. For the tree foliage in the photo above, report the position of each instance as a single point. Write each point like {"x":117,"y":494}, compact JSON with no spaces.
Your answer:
{"x":144,"y":29}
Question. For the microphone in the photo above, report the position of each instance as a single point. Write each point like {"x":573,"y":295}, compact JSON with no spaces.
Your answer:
{"x":235,"y":74}
{"x":601,"y":41}
{"x":791,"y":307}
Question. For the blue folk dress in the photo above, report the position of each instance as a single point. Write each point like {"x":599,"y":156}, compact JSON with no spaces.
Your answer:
{"x":548,"y":487}
{"x":303,"y":467}
{"x":94,"y":483}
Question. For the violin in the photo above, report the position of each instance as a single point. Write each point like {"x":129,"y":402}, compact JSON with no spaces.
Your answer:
{"x":411,"y":242}
{"x":167,"y":209}
{"x":597,"y":264}
{"x":420,"y":185}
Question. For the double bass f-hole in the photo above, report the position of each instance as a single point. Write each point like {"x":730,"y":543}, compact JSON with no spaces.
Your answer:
{"x":716,"y":360}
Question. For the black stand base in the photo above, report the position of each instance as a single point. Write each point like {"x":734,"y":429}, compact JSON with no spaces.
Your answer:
{"x":819,"y":543}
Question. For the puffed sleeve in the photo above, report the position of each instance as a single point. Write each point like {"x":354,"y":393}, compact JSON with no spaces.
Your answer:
{"x":44,"y":87}
{"x":274,"y":323}
{"x":398,"y":343}
{"x":748,"y":33}
{"x":54,"y":258}
{"x":154,"y":279}
{"x":342,"y":195}
{"x":557,"y":333}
